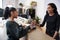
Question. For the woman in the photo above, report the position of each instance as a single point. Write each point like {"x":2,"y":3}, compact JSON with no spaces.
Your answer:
{"x":32,"y":11}
{"x":15,"y":31}
{"x":52,"y":21}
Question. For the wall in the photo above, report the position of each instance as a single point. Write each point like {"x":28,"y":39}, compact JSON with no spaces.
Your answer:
{"x":9,"y":3}
{"x":41,"y":5}
{"x":0,"y":3}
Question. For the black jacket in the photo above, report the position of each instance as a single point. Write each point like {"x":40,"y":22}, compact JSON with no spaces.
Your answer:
{"x":31,"y":12}
{"x":14,"y":31}
{"x":52,"y":24}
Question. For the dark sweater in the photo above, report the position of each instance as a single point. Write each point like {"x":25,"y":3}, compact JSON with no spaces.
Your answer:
{"x":31,"y":12}
{"x":14,"y":31}
{"x":52,"y":24}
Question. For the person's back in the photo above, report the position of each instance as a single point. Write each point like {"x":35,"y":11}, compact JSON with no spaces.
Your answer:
{"x":12,"y":32}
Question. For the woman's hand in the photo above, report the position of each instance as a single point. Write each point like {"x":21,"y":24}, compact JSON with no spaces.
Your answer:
{"x":55,"y":34}
{"x":33,"y":24}
{"x":23,"y":25}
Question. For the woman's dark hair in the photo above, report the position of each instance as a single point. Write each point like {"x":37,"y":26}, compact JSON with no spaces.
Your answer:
{"x":53,"y":6}
{"x":8,"y":11}
{"x":12,"y":9}
{"x":21,"y":4}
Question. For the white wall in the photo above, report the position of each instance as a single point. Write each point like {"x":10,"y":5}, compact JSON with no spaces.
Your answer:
{"x":0,"y":3}
{"x":41,"y":5}
{"x":9,"y":3}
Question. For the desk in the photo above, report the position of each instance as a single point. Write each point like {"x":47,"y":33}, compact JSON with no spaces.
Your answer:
{"x":37,"y":34}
